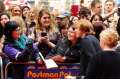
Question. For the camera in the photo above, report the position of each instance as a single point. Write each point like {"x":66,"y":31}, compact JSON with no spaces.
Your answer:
{"x":43,"y":34}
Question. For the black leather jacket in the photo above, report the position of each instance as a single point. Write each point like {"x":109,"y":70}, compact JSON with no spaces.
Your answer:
{"x":65,"y":48}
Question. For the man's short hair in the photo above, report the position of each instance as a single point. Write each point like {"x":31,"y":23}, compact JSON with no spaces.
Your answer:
{"x":94,"y":2}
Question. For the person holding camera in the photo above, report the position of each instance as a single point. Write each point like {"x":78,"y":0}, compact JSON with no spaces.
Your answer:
{"x":46,"y":32}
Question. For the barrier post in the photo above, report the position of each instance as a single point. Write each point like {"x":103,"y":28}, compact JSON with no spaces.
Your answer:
{"x":1,"y":68}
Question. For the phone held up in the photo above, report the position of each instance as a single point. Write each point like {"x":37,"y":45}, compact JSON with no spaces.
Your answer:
{"x":43,"y":34}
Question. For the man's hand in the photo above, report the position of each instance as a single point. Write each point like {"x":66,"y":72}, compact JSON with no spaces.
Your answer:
{"x":58,"y":58}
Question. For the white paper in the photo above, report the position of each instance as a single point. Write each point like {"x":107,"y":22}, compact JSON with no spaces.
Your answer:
{"x":50,"y":63}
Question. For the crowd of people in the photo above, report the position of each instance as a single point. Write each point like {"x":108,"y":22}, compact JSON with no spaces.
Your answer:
{"x":90,"y":38}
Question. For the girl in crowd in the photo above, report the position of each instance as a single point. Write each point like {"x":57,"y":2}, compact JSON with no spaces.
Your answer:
{"x":98,"y":24}
{"x":46,"y":32}
{"x":16,"y":45}
{"x":18,"y":48}
{"x":31,"y":23}
{"x":25,"y":12}
{"x":16,"y":10}
{"x":29,"y":17}
{"x":4,"y":17}
{"x":16,"y":13}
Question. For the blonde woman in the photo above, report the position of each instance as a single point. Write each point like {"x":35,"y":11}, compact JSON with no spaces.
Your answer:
{"x":46,"y":31}
{"x":31,"y":22}
{"x":45,"y":22}
{"x":16,"y":15}
{"x":105,"y":65}
{"x":16,"y":10}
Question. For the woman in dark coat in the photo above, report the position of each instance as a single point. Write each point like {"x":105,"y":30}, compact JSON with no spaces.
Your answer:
{"x":105,"y":65}
{"x":67,"y":49}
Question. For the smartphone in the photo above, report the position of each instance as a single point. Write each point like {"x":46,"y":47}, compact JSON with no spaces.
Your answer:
{"x":43,"y":34}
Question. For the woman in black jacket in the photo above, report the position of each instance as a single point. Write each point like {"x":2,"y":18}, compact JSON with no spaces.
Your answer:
{"x":67,"y":49}
{"x":105,"y":65}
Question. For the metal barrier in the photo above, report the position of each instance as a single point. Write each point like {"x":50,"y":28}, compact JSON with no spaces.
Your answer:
{"x":1,"y":68}
{"x":34,"y":69}
{"x":6,"y":67}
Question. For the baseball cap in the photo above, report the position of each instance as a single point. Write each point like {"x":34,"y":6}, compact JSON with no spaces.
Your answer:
{"x":63,"y":14}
